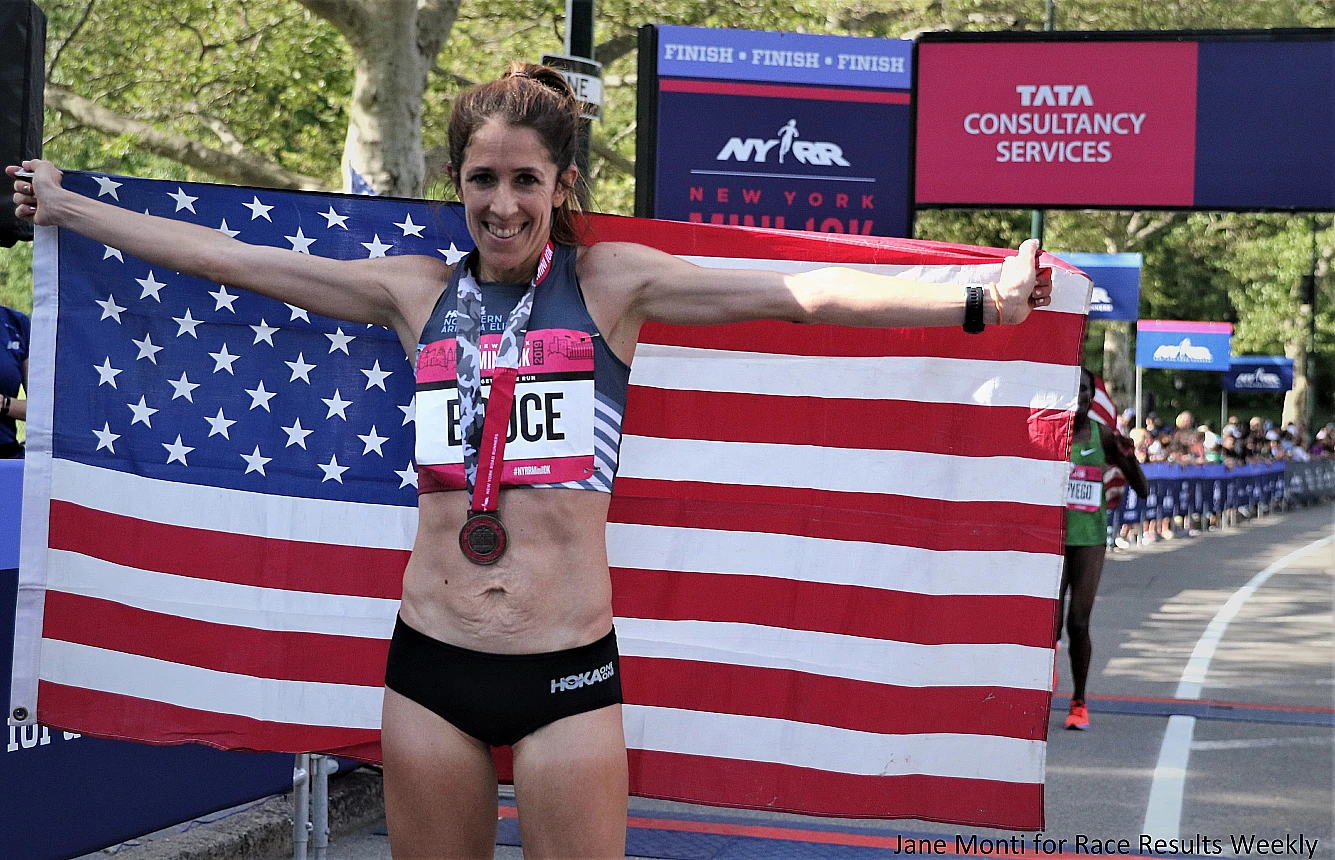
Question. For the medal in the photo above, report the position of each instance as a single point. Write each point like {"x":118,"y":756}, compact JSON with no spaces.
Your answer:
{"x":483,"y":539}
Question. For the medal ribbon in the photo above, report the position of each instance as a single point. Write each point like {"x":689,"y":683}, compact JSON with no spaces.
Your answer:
{"x":484,"y":434}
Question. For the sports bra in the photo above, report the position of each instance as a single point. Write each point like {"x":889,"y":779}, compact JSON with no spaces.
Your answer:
{"x":565,"y":426}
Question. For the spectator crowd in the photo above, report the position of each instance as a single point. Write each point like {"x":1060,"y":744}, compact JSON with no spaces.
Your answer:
{"x":1257,"y":442}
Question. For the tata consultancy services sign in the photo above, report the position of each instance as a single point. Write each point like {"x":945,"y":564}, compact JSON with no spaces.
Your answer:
{"x":1180,"y":120}
{"x":784,"y":130}
{"x":1183,"y":345}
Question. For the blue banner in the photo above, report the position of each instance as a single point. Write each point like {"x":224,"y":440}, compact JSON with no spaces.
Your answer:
{"x":71,"y":795}
{"x":1116,"y":280}
{"x":784,"y":58}
{"x":1209,"y":489}
{"x":1183,"y":345}
{"x":1271,"y":373}
{"x":744,"y":138}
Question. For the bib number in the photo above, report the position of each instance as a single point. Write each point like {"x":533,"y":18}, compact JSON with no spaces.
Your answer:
{"x":1083,"y":489}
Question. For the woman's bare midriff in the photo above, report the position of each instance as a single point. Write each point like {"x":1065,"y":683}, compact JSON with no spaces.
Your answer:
{"x":550,"y":591}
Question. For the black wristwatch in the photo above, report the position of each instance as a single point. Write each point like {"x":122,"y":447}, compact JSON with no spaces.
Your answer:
{"x":973,"y":309}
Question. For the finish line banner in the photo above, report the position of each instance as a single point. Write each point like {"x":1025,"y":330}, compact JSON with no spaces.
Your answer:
{"x":1241,"y":120}
{"x":1183,"y":345}
{"x":1116,"y":278}
{"x":783,"y":130}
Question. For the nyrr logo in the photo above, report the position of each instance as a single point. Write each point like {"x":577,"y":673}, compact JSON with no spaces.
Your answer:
{"x":1183,"y":351}
{"x":1259,"y":378}
{"x":574,"y":682}
{"x":817,"y":153}
{"x":1100,"y":301}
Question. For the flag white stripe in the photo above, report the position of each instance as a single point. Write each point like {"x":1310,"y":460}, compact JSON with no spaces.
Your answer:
{"x":309,"y":703}
{"x":851,"y":470}
{"x":967,"y":382}
{"x":1070,"y":292}
{"x":222,"y":602}
{"x":836,"y":562}
{"x":856,"y":658}
{"x":234,"y":511}
{"x":827,"y":748}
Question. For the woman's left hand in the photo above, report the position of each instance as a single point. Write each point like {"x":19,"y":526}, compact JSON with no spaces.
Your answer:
{"x":1023,"y":286}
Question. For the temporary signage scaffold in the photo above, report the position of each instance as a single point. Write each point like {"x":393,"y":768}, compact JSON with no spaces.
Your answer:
{"x":1233,"y":120}
{"x":784,"y":130}
{"x":1116,"y":280}
{"x":1180,"y":346}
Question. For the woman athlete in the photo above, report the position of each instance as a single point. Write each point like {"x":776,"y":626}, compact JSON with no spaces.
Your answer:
{"x":1087,"y":535}
{"x":512,"y":602}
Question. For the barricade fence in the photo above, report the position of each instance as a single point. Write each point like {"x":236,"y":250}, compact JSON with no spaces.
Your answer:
{"x":1212,"y":494}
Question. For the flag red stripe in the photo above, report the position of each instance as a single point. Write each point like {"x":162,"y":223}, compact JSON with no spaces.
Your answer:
{"x":275,"y":654}
{"x":872,"y":517}
{"x":225,"y":557}
{"x":1045,"y":338}
{"x":935,"y":428}
{"x":784,"y":788}
{"x":110,"y":715}
{"x":848,"y":610}
{"x":784,"y":694}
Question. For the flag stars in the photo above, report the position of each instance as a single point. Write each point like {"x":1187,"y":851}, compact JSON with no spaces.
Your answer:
{"x":452,"y":254}
{"x":105,"y":186}
{"x":183,"y":387}
{"x":339,"y":341}
{"x":227,"y":231}
{"x":297,"y":313}
{"x":409,"y":411}
{"x":258,"y":210}
{"x":112,"y":252}
{"x":264,"y":332}
{"x":143,"y":413}
{"x":219,"y":424}
{"x":255,"y":462}
{"x":186,"y":325}
{"x":373,"y":441}
{"x":300,"y":369}
{"x":409,"y":228}
{"x":176,"y":451}
{"x":296,"y":434}
{"x":300,"y":243}
{"x":224,"y":299}
{"x":106,"y":374}
{"x":376,"y":377}
{"x":105,"y":438}
{"x":146,"y":348}
{"x":110,"y":308}
{"x":332,"y":470}
{"x":408,"y":475}
{"x":334,"y":219}
{"x":376,"y":247}
{"x":259,"y":398}
{"x":151,"y":287}
{"x":183,"y":201}
{"x":337,"y":406}
{"x":223,"y":360}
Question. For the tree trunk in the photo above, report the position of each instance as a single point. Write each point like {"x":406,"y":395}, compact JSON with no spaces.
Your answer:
{"x":1119,"y":372}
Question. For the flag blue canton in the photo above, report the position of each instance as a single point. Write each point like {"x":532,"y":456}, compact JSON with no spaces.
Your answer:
{"x":195,"y":382}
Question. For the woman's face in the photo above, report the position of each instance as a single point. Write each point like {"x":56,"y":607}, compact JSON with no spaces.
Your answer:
{"x":1086,"y":395}
{"x":509,"y":187}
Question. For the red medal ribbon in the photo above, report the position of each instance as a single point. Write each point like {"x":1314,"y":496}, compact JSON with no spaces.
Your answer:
{"x":491,"y":452}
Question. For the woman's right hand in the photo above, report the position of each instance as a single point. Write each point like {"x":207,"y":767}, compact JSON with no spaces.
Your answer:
{"x":32,"y":197}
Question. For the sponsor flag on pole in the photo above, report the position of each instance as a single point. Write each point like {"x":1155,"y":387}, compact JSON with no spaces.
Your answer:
{"x":835,"y":552}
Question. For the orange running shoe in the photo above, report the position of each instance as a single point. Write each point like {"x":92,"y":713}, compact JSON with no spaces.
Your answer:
{"x":1079,"y":716}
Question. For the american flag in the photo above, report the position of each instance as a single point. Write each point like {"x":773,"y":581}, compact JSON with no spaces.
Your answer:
{"x":835,"y":552}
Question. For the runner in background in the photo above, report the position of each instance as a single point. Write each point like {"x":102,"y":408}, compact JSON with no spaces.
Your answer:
{"x":1094,"y":447}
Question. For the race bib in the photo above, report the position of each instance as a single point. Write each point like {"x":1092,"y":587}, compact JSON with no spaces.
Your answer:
{"x":1082,"y":491}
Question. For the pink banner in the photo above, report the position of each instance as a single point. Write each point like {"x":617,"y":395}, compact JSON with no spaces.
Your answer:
{"x":1058,"y":123}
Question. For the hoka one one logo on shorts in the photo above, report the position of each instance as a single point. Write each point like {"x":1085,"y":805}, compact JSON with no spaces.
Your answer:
{"x":574,"y":682}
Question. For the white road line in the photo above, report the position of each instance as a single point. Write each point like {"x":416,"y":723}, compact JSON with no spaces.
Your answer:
{"x":1163,"y":812}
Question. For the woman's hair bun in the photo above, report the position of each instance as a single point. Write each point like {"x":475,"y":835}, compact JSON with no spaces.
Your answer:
{"x":545,"y":75}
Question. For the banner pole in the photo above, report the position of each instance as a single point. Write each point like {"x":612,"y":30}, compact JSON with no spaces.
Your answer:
{"x":1038,"y":218}
{"x":1223,"y":410}
{"x":1140,"y":415}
